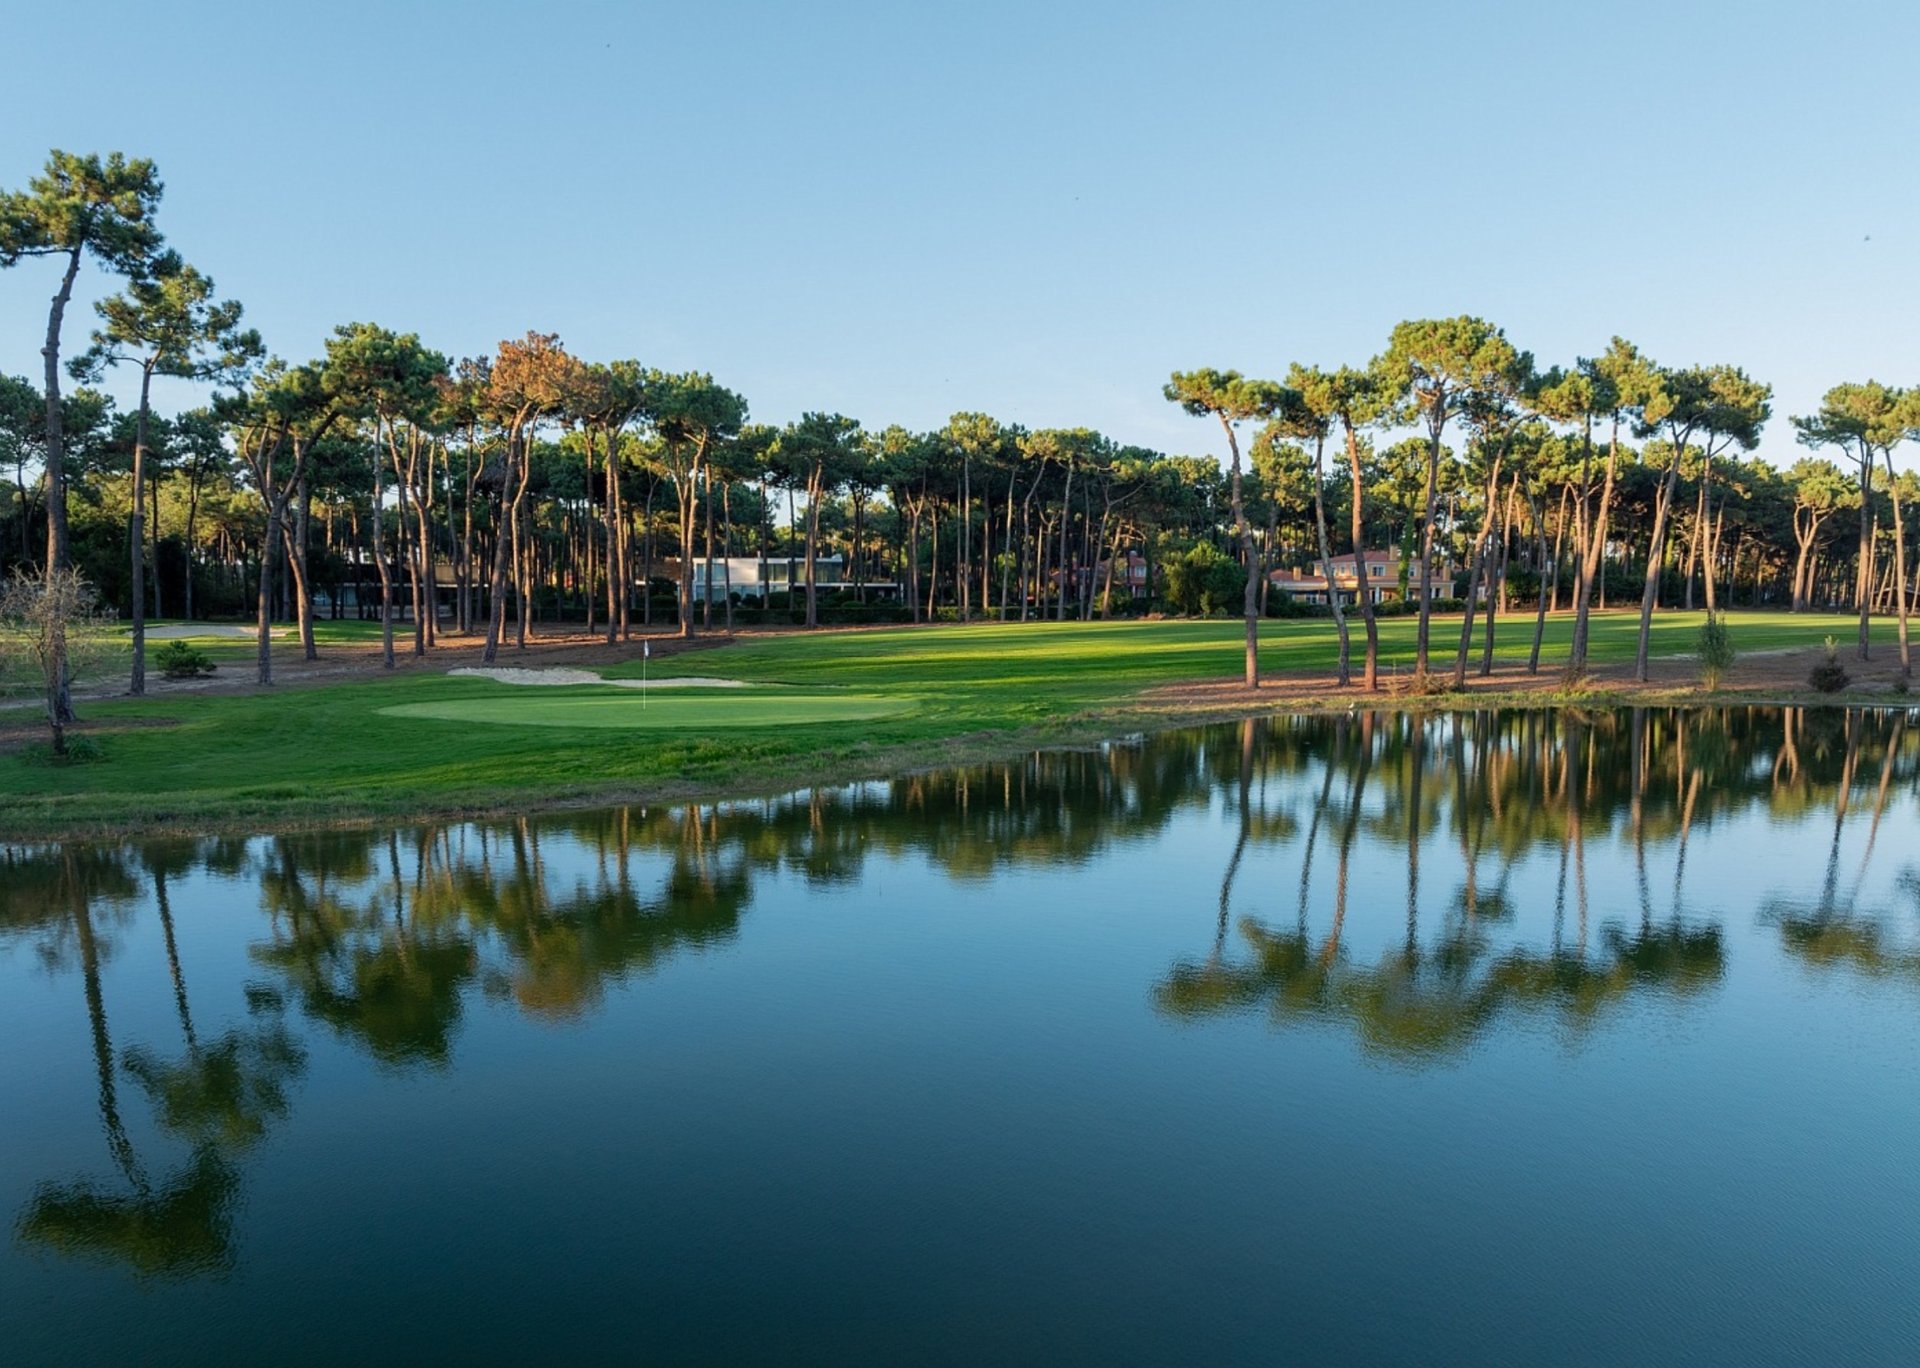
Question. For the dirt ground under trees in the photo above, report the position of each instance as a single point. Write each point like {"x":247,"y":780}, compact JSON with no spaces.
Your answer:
{"x":1755,"y":676}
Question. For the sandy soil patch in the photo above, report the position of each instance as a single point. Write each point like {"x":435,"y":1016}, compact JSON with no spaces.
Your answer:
{"x":1771,"y":673}
{"x":556,"y":674}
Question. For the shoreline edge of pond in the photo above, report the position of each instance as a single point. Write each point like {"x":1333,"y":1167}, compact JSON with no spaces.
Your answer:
{"x":1160,"y":708}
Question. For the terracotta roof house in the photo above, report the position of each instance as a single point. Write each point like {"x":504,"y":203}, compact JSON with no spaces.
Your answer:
{"x":1383,"y":579}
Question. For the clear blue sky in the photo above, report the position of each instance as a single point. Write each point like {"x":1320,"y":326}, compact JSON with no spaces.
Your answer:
{"x":1037,"y":210}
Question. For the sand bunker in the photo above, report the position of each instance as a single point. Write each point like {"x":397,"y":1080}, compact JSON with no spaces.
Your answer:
{"x":190,"y":630}
{"x":559,"y":674}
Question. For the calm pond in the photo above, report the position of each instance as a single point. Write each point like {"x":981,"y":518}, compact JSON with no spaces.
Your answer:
{"x":1489,"y":1037}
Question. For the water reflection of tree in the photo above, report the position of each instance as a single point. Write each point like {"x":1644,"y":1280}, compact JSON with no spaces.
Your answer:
{"x":384,"y":938}
{"x":1503,"y":784}
{"x":216,"y":1096}
{"x":1833,"y":931}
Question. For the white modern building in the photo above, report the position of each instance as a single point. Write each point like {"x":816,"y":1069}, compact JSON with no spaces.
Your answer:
{"x":741,"y":575}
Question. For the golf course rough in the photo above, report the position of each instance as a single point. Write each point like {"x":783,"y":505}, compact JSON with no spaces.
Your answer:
{"x":669,"y":710}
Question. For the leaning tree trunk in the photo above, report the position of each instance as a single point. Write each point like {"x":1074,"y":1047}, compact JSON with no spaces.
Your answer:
{"x":1656,"y":554}
{"x":497,"y":582}
{"x":685,"y":497}
{"x":1546,"y":565}
{"x":522,"y":560}
{"x":933,"y":560}
{"x":1693,"y":547}
{"x":1478,"y":577}
{"x":1592,"y":553}
{"x":1326,"y":569}
{"x":137,"y":539}
{"x":1371,"y":677}
{"x":1497,"y":577}
{"x":1432,"y":503}
{"x":294,"y":537}
{"x":1899,"y":569}
{"x":408,"y":530}
{"x":59,"y":556}
{"x":706,"y":596}
{"x":263,"y":604}
{"x":616,"y":548}
{"x":815,"y":484}
{"x":1863,"y":576}
{"x":1064,"y":569}
{"x":376,"y":530}
{"x":726,"y":550}
{"x":1009,"y":554}
{"x":913,"y":560}
{"x":423,"y":543}
{"x":1802,"y":559}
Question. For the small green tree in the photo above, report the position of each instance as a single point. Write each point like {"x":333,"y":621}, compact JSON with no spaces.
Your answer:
{"x":1828,"y":674}
{"x":1716,"y":650}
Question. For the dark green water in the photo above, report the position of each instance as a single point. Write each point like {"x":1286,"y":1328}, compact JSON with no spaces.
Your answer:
{"x":1496,"y":1038}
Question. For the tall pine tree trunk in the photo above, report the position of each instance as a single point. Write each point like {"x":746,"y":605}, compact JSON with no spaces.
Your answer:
{"x":1326,"y":567}
{"x":137,"y":539}
{"x":59,"y":556}
{"x":1656,"y":554}
{"x":1362,"y":589}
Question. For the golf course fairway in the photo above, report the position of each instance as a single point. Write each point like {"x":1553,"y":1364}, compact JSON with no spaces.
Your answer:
{"x":630,"y":710}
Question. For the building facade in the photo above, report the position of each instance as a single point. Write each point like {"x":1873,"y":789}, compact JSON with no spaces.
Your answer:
{"x":1383,"y":580}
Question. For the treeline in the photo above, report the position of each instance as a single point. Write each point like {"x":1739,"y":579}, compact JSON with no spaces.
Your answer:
{"x":527,"y":486}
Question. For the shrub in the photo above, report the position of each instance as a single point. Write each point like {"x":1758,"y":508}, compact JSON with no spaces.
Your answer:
{"x":1281,"y":605}
{"x":1828,"y":674}
{"x":1205,"y":580}
{"x":177,"y":660}
{"x":1716,"y":650}
{"x":81,"y":749}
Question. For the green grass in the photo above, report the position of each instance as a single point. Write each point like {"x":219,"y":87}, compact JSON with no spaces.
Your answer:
{"x":633,"y":710}
{"x":389,"y":746}
{"x":220,"y":636}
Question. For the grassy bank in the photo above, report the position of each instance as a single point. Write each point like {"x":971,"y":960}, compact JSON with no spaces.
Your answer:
{"x":369,"y":745}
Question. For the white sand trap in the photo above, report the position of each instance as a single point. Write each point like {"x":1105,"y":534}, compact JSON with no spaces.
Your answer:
{"x":560,"y":674}
{"x":210,"y":629}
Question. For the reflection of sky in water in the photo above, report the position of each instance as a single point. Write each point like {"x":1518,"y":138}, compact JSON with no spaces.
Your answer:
{"x":865,"y":1074}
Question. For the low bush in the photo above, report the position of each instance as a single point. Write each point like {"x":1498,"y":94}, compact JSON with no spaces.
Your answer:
{"x":178,"y":660}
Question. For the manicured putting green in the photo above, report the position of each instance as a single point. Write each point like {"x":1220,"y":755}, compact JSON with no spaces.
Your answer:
{"x":628,"y":710}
